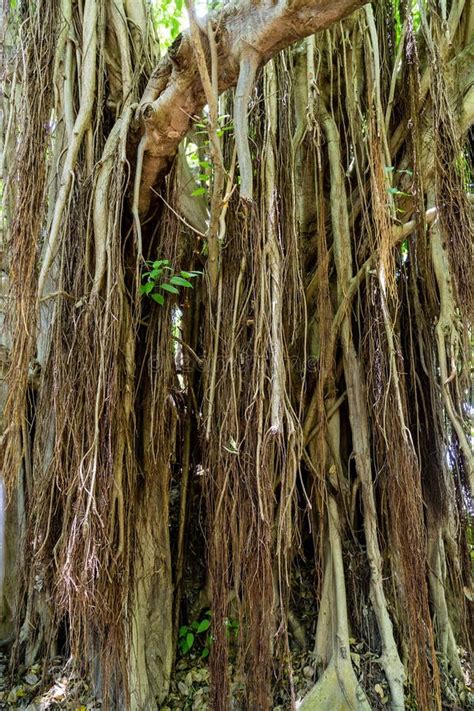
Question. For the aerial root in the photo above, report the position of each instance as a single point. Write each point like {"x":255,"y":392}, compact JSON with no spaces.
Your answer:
{"x":249,"y":63}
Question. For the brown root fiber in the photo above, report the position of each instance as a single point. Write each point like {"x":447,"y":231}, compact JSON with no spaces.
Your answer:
{"x":274,"y":442}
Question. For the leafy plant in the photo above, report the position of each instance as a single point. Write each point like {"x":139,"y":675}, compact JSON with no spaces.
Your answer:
{"x":188,"y":634}
{"x":161,"y":279}
{"x":204,"y":167}
{"x":198,"y":634}
{"x":404,"y":171}
{"x":169,"y":18}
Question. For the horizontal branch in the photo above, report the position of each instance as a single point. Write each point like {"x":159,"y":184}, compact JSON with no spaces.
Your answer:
{"x":174,"y":95}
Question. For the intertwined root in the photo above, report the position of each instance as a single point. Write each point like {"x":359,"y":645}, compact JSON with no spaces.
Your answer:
{"x":325,"y":400}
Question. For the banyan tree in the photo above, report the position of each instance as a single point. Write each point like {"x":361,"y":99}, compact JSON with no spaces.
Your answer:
{"x":236,"y":302}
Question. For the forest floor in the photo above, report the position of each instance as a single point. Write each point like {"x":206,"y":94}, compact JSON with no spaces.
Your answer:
{"x":190,"y":685}
{"x":56,"y":687}
{"x":47,"y":687}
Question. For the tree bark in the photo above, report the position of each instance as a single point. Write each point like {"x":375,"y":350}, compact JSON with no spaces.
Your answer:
{"x":175,"y":95}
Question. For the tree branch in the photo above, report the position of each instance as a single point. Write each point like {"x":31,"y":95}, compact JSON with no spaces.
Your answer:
{"x":175,"y":94}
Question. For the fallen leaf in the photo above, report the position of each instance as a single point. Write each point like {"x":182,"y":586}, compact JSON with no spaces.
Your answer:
{"x":378,"y":690}
{"x":356,"y":659}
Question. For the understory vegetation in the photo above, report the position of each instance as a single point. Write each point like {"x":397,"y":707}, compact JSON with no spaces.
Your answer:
{"x":237,"y":297}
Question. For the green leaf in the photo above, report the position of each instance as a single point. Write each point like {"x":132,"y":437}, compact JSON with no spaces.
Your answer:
{"x":203,"y":626}
{"x":203,"y":176}
{"x":174,"y":26}
{"x":205,"y":653}
{"x":190,"y":639}
{"x":199,"y":191}
{"x":155,"y":273}
{"x":158,"y":298}
{"x":183,"y":630}
{"x":396,"y":191}
{"x":160,"y":262}
{"x":233,"y":447}
{"x":190,"y":275}
{"x":204,"y":164}
{"x":179,"y":281}
{"x":168,"y":287}
{"x":146,"y":288}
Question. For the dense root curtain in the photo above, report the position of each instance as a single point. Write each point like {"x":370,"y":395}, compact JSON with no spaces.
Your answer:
{"x":301,"y":406}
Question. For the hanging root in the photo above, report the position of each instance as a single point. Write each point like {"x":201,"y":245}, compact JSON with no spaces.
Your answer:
{"x":446,"y":642}
{"x":449,"y":347}
{"x":323,"y":412}
{"x":25,"y":198}
{"x":81,"y":125}
{"x":338,"y":686}
{"x":107,"y":190}
{"x":390,"y":659}
{"x":249,"y":63}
